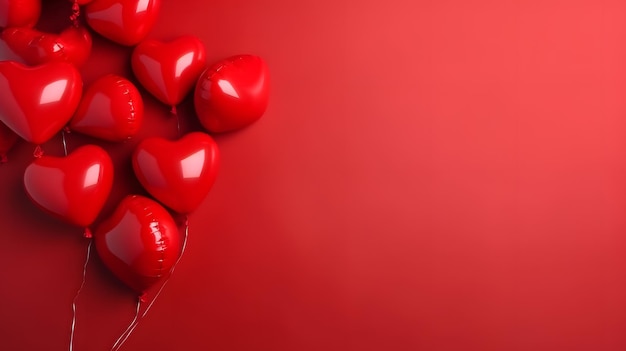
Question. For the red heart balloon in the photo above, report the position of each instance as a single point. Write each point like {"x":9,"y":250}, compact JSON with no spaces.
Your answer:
{"x":111,"y":109}
{"x":73,"y":188}
{"x":232,"y":94}
{"x":73,"y":45}
{"x":169,"y":70}
{"x":139,"y":243}
{"x":125,"y":22}
{"x":7,"y":140}
{"x":19,"y":13}
{"x":177,"y":173}
{"x":36,"y":102}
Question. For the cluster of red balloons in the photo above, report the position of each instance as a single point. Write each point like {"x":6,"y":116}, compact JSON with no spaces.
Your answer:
{"x":140,"y":242}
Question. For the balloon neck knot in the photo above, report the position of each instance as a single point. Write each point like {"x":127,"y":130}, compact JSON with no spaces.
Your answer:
{"x":67,"y":130}
{"x":174,"y":111}
{"x":3,"y":158}
{"x":87,"y":234}
{"x":186,"y":221}
{"x":38,"y":152}
{"x":143,"y":298}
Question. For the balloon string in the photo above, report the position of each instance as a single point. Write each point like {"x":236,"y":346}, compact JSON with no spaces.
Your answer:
{"x":122,"y":339}
{"x":64,"y":142}
{"x":82,"y":284}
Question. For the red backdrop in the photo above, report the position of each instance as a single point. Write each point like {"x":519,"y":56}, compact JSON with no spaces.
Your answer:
{"x":430,"y":175}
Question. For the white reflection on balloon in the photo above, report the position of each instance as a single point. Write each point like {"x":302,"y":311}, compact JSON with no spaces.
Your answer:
{"x":183,"y":63}
{"x":92,"y":176}
{"x":227,"y":88}
{"x":142,"y":6}
{"x":53,"y":92}
{"x":193,"y":164}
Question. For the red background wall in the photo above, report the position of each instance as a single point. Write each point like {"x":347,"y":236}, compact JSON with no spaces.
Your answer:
{"x":430,"y":175}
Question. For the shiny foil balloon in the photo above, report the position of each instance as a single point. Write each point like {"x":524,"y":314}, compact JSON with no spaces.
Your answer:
{"x":232,"y":94}
{"x":125,"y":22}
{"x":37,"y":102}
{"x":19,"y":13}
{"x":139,"y":243}
{"x":73,"y":45}
{"x":177,"y":173}
{"x":111,"y":109}
{"x":73,"y":188}
{"x":169,"y":70}
{"x":7,"y":140}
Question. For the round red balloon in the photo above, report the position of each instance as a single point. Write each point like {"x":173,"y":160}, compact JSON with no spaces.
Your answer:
{"x":73,"y":45}
{"x":169,"y":70}
{"x":125,"y":22}
{"x":36,"y":102}
{"x":139,"y":243}
{"x":232,"y":94}
{"x":73,"y":188}
{"x":111,"y":109}
{"x":19,"y":13}
{"x":178,"y":173}
{"x":7,"y":140}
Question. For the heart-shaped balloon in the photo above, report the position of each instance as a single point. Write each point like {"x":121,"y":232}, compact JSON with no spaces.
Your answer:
{"x":36,"y":102}
{"x":125,"y":22}
{"x":19,"y":13}
{"x":169,"y":70}
{"x":177,"y":173}
{"x":7,"y":140}
{"x":73,"y":188}
{"x":111,"y":109}
{"x":73,"y":45}
{"x":139,"y":243}
{"x":232,"y":94}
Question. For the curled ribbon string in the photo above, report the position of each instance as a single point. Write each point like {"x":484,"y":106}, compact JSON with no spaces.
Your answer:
{"x":131,"y":327}
{"x":82,"y":284}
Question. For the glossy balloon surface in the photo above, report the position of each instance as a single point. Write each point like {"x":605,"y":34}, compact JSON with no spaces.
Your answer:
{"x":7,"y":139}
{"x":125,"y":22}
{"x":111,"y":109}
{"x":73,"y":188}
{"x":19,"y":13}
{"x":139,"y":243}
{"x":36,"y":102}
{"x":179,"y":173}
{"x":73,"y":45}
{"x":169,"y":70}
{"x":233,"y":93}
